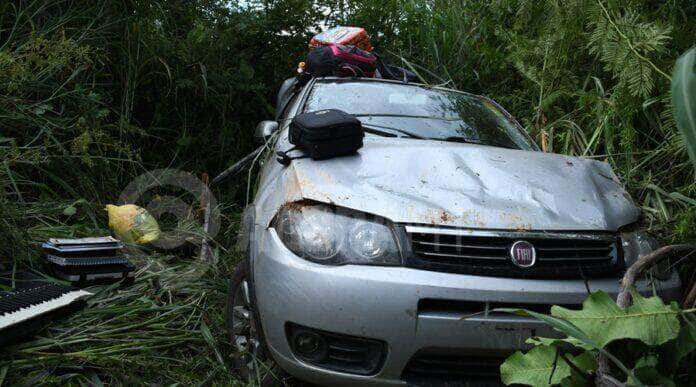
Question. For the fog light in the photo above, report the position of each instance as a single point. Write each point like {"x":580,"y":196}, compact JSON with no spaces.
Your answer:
{"x":309,"y":345}
{"x":334,"y":351}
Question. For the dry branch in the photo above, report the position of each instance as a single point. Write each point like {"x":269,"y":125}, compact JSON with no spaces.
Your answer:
{"x":206,"y":254}
{"x":236,"y":167}
{"x":690,"y":299}
{"x":644,"y":262}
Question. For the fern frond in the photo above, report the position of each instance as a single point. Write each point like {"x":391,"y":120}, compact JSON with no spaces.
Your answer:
{"x":627,"y":47}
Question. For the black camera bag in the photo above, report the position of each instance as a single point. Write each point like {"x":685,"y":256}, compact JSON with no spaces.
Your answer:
{"x":325,"y":134}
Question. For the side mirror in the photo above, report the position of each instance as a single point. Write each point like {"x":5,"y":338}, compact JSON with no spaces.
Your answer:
{"x":264,"y":130}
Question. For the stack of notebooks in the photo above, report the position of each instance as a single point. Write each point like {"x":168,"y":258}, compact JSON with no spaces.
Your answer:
{"x":88,"y":259}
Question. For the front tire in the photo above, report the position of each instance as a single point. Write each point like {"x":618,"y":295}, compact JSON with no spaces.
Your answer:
{"x":251,"y":361}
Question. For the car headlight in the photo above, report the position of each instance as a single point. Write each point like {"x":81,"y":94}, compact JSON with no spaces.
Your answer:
{"x":335,"y":236}
{"x":638,"y":243}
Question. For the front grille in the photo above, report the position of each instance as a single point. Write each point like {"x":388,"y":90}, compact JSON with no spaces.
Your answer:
{"x":559,"y":255}
{"x":427,"y":368}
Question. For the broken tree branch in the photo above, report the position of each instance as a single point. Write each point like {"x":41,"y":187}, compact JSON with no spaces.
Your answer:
{"x":690,"y":299}
{"x":236,"y":167}
{"x":644,"y":262}
{"x":206,"y":254}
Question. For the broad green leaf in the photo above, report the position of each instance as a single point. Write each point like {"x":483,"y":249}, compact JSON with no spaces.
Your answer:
{"x":536,"y":368}
{"x":572,"y":331}
{"x":672,"y":352}
{"x":558,"y":342}
{"x":648,"y":319}
{"x":557,"y":323}
{"x":585,"y":362}
{"x":646,"y":370}
{"x":684,"y":99}
{"x":686,"y":341}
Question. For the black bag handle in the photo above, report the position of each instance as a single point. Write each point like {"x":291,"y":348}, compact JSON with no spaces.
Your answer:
{"x":285,"y":159}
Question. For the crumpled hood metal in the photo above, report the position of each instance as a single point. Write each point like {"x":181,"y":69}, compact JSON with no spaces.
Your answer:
{"x":464,"y":185}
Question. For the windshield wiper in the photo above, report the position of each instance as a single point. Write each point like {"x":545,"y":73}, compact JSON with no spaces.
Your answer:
{"x":375,"y":129}
{"x":389,"y":132}
{"x":458,"y":139}
{"x":474,"y":141}
{"x":408,"y":116}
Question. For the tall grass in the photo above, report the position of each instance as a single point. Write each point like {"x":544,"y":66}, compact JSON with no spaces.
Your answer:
{"x":163,"y":329}
{"x":587,"y":77}
{"x":94,"y":93}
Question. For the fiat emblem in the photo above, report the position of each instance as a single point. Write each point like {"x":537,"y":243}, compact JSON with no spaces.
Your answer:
{"x":522,"y":254}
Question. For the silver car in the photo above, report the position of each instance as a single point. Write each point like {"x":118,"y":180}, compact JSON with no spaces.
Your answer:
{"x":386,"y":267}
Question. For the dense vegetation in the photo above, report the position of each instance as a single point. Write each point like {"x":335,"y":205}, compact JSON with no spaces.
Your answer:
{"x":94,"y":93}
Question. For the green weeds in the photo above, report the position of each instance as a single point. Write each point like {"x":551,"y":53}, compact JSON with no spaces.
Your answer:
{"x":94,"y":93}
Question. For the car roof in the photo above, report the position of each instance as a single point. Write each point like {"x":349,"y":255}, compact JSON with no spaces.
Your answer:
{"x":383,"y":80}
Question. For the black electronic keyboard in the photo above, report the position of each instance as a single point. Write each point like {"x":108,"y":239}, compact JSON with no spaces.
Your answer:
{"x":25,"y":310}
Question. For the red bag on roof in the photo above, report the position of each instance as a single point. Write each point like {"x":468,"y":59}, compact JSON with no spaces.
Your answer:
{"x":347,"y":36}
{"x":341,"y":61}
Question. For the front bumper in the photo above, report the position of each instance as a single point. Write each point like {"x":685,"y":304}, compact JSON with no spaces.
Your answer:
{"x":382,"y":303}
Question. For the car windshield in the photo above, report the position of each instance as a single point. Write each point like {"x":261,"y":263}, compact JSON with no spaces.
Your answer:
{"x":401,"y":110}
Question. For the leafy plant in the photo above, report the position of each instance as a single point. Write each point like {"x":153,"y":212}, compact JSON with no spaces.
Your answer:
{"x":543,"y":365}
{"x":684,"y":99}
{"x":664,"y":333}
{"x":92,"y":93}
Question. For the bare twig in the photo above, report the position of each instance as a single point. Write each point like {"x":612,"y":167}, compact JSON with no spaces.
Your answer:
{"x":690,"y":299}
{"x":236,"y":167}
{"x":645,"y":262}
{"x":607,"y":380}
{"x":205,"y":255}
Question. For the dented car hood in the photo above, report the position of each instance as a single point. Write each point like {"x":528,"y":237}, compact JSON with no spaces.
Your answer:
{"x":454,"y":184}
